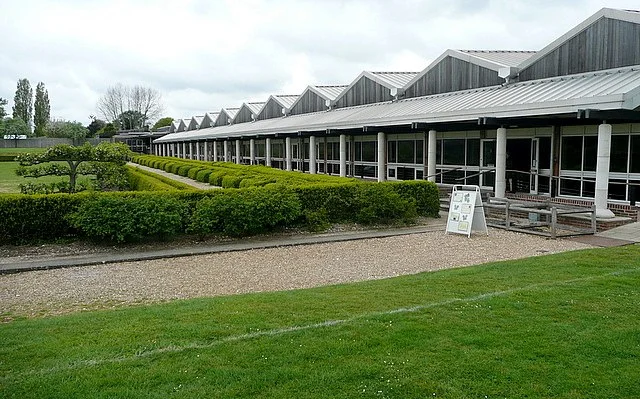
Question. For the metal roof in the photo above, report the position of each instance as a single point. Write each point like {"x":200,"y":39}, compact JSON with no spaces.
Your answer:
{"x":328,"y":92}
{"x":391,"y":79}
{"x":505,"y":57}
{"x":254,"y":107}
{"x":231,"y":112}
{"x":286,"y":100}
{"x":605,"y":90}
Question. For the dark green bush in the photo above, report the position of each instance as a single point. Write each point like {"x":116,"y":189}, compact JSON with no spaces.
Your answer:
{"x":184,"y":170}
{"x":425,"y":193}
{"x":215,"y":178}
{"x":231,"y":181}
{"x":245,"y":212}
{"x":380,"y":204}
{"x":317,"y":220}
{"x":203,"y":175}
{"x":28,"y":217}
{"x":142,"y":180}
{"x":126,"y":219}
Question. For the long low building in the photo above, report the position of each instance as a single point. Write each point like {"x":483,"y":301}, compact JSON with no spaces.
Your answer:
{"x":562,"y":122}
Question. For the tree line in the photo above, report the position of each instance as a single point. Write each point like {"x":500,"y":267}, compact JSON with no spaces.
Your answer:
{"x":121,"y":107}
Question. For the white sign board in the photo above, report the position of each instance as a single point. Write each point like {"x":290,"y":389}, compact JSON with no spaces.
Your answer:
{"x":466,"y":212}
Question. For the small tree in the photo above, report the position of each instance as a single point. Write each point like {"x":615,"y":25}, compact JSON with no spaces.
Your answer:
{"x":23,"y":102}
{"x":162,"y":122}
{"x":66,"y":129}
{"x":13,"y":128}
{"x":79,"y":161}
{"x":3,"y":112}
{"x":42,"y":109}
{"x":95,"y":126}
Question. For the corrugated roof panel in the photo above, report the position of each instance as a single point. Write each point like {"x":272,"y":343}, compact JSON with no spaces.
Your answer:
{"x":255,"y":107}
{"x":287,"y":100}
{"x":603,"y":89}
{"x":231,"y":112}
{"x":395,"y":79}
{"x":330,"y":92}
{"x":506,"y":58}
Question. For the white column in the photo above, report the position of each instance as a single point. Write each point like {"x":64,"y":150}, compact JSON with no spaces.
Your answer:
{"x":206,"y":151}
{"x":501,"y":163}
{"x":238,"y":160}
{"x":197,"y":150}
{"x":184,"y":149}
{"x":343,"y":155}
{"x":602,"y":171}
{"x":431,"y":156}
{"x":312,"y":155}
{"x":226,"y":150}
{"x":215,"y":151}
{"x":382,"y":159}
{"x":267,"y":151}
{"x":252,"y":151}
{"x":287,"y":151}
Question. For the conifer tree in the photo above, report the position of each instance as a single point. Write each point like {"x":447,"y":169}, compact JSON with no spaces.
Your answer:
{"x":42,"y":110}
{"x":23,"y":102}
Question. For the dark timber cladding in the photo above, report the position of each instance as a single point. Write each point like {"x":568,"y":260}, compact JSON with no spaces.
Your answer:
{"x":223,"y":119}
{"x":243,"y":115}
{"x":307,"y":103}
{"x":272,"y":109}
{"x":453,"y":74}
{"x":364,"y":91}
{"x":605,"y":44}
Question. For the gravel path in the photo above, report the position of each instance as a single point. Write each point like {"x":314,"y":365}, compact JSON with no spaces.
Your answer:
{"x":182,"y":179}
{"x":114,"y":285}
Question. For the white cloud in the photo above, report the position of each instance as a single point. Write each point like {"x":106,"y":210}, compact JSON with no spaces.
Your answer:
{"x":205,"y":55}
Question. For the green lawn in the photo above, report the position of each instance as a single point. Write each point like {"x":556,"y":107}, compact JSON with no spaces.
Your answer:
{"x":10,"y":182}
{"x":11,"y":151}
{"x":559,"y":326}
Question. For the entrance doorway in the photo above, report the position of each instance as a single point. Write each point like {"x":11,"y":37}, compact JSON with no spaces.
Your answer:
{"x":487,"y":163}
{"x":523,"y":165}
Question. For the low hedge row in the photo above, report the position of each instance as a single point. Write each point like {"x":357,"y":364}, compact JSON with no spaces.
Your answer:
{"x":228,"y":175}
{"x":142,"y":180}
{"x":127,"y":216}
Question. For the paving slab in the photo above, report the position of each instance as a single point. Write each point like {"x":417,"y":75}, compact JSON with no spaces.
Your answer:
{"x":598,"y":241}
{"x":628,"y":232}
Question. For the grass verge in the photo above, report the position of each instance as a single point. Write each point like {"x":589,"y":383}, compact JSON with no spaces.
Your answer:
{"x":562,"y":326}
{"x":10,"y":182}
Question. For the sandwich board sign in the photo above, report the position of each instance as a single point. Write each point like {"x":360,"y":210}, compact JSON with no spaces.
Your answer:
{"x":466,"y":212}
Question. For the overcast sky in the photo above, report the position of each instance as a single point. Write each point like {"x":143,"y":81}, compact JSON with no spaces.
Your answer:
{"x":205,"y":55}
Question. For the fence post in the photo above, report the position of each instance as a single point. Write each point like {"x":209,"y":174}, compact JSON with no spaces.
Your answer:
{"x":554,"y":220}
{"x":507,"y":222}
{"x":593,"y":219}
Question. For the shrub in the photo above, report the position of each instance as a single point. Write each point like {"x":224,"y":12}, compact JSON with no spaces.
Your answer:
{"x":120,"y":219}
{"x":203,"y":175}
{"x":231,"y":181}
{"x":184,"y":170}
{"x":215,"y":178}
{"x":245,"y":212}
{"x":317,"y":220}
{"x":29,"y":217}
{"x":379,"y":203}
{"x":425,"y":193}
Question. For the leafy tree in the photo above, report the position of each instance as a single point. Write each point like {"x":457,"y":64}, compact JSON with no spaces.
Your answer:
{"x":83,"y":160}
{"x":95,"y":126}
{"x":3,"y":113}
{"x":14,"y":128}
{"x":42,"y":110}
{"x":66,"y":129}
{"x":131,"y":120}
{"x":23,"y":102}
{"x":118,"y":99}
{"x":109,"y":130}
{"x":162,"y":122}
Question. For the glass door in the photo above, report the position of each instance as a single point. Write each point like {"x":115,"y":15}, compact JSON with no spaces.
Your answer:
{"x":487,"y":163}
{"x":533,"y":177}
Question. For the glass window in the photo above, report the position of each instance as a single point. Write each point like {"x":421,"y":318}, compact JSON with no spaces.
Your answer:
{"x":391,"y":152}
{"x":358,"y":153}
{"x":590,"y":152}
{"x":571,"y":154}
{"x":420,"y":152}
{"x":619,"y":153}
{"x":635,"y":154}
{"x":369,"y":151}
{"x":406,"y":152}
{"x":544,"y":155}
{"x":438,"y":152}
{"x":588,"y":188}
{"x":618,"y":189}
{"x":473,"y":152}
{"x":321,"y":151}
{"x":569,"y":187}
{"x":453,"y":152}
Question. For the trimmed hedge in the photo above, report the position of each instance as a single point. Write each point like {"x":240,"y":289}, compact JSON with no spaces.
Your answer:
{"x":142,"y":180}
{"x":235,"y":212}
{"x":255,"y":175}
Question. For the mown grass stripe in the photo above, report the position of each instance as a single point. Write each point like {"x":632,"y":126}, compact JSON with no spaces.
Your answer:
{"x":328,"y":323}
